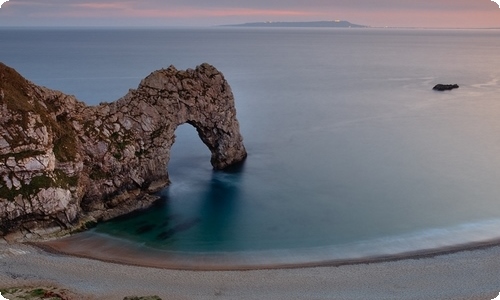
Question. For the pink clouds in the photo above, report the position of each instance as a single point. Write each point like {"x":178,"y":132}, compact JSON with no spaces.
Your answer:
{"x":136,"y":9}
{"x":98,"y":5}
{"x":410,"y":13}
{"x":221,"y":12}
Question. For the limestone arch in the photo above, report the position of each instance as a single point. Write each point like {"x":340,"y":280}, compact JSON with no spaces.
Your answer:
{"x":142,"y":128}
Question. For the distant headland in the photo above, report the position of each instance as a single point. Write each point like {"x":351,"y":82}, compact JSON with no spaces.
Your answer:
{"x":323,"y":24}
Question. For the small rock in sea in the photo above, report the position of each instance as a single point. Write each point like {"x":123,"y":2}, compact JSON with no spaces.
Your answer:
{"x":445,"y":87}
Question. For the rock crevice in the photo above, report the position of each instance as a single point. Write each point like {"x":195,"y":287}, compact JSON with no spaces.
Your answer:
{"x":63,"y":162}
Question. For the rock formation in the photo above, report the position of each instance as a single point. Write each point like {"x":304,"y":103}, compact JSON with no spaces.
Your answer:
{"x":445,"y":87}
{"x":63,"y":163}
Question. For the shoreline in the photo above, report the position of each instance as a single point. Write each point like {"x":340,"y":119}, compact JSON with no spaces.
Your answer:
{"x":127,"y":253}
{"x":473,"y":273}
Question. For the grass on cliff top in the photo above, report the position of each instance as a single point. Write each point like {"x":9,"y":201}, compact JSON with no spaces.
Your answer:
{"x":14,"y":87}
{"x":16,"y":97}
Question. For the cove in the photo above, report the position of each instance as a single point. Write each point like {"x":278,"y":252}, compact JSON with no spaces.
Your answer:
{"x":350,"y":151}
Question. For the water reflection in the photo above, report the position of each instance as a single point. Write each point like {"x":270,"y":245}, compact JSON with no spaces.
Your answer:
{"x":220,"y":207}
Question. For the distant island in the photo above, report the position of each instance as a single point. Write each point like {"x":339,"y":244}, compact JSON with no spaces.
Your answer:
{"x":324,"y":24}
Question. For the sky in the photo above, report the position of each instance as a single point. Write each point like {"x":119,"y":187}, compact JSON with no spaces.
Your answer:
{"x":377,"y":13}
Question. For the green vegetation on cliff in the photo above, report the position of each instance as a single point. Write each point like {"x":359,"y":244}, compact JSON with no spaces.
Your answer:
{"x":19,"y":97}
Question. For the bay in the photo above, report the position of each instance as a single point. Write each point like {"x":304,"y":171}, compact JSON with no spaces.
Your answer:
{"x":349,"y":147}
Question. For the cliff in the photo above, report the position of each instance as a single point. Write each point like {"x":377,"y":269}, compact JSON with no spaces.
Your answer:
{"x":63,"y":163}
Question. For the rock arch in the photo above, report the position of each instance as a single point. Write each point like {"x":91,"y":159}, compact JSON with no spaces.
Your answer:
{"x":142,"y":127}
{"x":106,"y":160}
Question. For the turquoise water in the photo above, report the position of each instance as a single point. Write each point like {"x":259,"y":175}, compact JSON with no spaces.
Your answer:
{"x":349,"y":148}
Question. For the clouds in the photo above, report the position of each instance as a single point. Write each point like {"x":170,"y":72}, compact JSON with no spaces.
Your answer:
{"x":1,"y":3}
{"x":436,"y":13}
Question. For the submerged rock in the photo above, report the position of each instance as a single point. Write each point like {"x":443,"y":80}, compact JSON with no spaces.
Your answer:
{"x":445,"y":87}
{"x":63,"y":163}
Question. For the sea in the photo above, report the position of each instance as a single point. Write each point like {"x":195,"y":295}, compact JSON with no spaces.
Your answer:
{"x":351,"y":153}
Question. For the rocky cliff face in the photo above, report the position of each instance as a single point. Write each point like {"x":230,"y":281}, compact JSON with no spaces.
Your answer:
{"x":63,"y":163}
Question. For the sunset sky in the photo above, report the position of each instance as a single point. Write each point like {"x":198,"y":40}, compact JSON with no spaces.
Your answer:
{"x":393,"y":13}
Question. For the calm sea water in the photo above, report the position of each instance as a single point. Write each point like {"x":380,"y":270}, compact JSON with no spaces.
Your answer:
{"x":349,"y":148}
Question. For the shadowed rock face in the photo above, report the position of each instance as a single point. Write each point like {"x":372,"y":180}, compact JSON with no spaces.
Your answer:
{"x":63,"y":163}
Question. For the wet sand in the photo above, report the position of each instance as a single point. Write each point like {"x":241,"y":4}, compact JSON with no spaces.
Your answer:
{"x":470,"y":274}
{"x":109,"y":249}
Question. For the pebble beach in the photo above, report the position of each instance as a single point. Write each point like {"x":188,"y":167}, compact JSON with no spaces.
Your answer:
{"x":468,"y":274}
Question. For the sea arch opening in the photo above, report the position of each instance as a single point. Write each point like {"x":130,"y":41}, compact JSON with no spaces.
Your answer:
{"x":201,"y":202}
{"x":188,"y":151}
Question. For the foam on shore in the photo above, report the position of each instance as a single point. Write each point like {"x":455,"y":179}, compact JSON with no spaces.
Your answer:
{"x":419,"y":244}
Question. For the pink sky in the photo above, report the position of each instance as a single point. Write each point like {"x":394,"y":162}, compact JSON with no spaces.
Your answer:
{"x":394,"y":13}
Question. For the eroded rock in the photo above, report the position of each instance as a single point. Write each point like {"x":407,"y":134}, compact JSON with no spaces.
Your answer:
{"x":63,"y":162}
